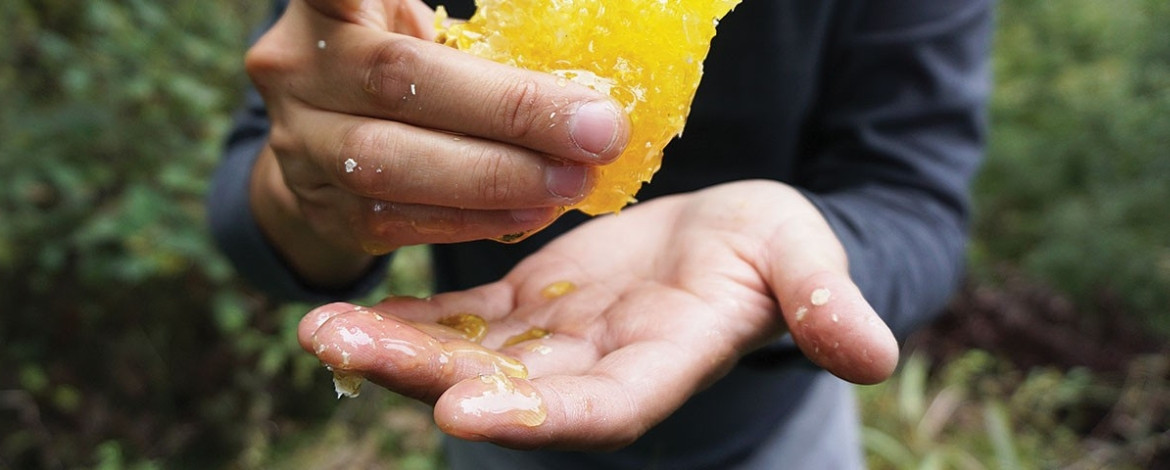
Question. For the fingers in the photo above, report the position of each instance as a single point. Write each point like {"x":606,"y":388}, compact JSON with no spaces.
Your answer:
{"x":578,"y":397}
{"x":392,"y":161}
{"x":433,"y":86}
{"x":417,"y":362}
{"x":828,"y":317}
{"x":837,"y":329}
{"x":616,"y":402}
{"x":419,"y":142}
{"x":377,"y":227}
{"x":363,"y":71}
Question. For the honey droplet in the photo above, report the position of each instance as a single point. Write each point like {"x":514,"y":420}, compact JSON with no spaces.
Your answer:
{"x":347,"y":384}
{"x":646,"y":54}
{"x":531,"y":334}
{"x":558,"y":289}
{"x":472,"y":327}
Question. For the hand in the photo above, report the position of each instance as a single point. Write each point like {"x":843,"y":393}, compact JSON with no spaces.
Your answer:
{"x":668,"y":295}
{"x":381,"y":138}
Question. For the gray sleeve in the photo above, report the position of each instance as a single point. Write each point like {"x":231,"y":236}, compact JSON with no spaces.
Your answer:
{"x":893,"y":149}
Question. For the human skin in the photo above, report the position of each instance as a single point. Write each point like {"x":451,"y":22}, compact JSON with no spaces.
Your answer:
{"x":669,"y":295}
{"x":382,"y":139}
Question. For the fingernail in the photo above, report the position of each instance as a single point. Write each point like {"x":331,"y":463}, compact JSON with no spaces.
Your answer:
{"x":565,"y":181}
{"x":594,"y":127}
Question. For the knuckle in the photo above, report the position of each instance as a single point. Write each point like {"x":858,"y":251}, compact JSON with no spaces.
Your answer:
{"x":495,"y":184}
{"x":283,"y":141}
{"x":518,"y":107}
{"x":266,"y":59}
{"x":389,"y":68}
{"x":360,"y":145}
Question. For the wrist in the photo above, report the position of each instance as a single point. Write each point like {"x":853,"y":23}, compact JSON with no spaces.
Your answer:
{"x":316,"y":259}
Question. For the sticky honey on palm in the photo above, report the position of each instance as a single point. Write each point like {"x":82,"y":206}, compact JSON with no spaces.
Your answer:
{"x":646,"y":54}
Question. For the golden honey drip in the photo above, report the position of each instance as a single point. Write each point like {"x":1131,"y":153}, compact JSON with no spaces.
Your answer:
{"x":472,"y":327}
{"x":557,"y":289}
{"x":347,"y":384}
{"x":646,"y":54}
{"x":531,"y":334}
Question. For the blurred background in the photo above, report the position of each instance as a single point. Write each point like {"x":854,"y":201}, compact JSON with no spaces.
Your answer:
{"x":127,"y":342}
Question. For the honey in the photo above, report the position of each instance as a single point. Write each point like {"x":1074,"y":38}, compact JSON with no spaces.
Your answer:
{"x":472,"y":327}
{"x":531,"y":334}
{"x":347,"y":384}
{"x":646,"y":54}
{"x":557,"y":289}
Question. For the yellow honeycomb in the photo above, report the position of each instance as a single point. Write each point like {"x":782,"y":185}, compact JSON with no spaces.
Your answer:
{"x":646,"y":54}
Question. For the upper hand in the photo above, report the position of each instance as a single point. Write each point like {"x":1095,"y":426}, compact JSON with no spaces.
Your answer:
{"x":669,"y":295}
{"x":382,"y":138}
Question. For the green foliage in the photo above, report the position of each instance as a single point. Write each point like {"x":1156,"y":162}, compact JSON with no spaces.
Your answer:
{"x":124,"y":334}
{"x":1075,"y":188}
{"x":127,"y":342}
{"x":981,"y":412}
{"x":113,"y":125}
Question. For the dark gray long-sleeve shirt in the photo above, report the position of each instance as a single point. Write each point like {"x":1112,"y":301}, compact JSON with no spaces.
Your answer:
{"x":874,"y":109}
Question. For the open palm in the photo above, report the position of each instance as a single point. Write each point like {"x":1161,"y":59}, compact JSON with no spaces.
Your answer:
{"x":610,"y":328}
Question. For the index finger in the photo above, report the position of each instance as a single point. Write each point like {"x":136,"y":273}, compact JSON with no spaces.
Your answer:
{"x":434,"y":86}
{"x":375,"y":73}
{"x":606,"y":407}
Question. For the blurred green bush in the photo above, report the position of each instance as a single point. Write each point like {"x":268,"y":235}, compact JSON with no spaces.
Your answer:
{"x":126,"y":340}
{"x":1076,"y":189}
{"x":124,"y":336}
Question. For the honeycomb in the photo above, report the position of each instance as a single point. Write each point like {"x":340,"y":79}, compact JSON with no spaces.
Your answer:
{"x":646,"y":54}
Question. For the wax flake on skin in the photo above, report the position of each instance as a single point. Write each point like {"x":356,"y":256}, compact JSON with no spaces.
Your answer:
{"x":355,"y":337}
{"x":350,"y":165}
{"x":800,"y":313}
{"x":820,"y":296}
{"x":321,"y":318}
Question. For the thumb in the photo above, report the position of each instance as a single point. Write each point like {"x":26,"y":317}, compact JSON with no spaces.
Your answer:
{"x":829,"y":319}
